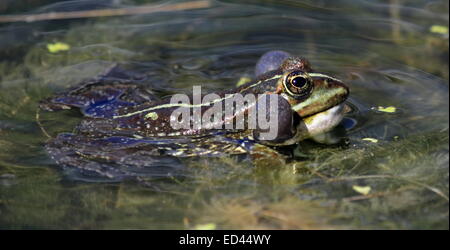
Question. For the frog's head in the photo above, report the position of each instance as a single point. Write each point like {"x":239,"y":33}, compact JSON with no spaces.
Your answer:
{"x":316,"y":97}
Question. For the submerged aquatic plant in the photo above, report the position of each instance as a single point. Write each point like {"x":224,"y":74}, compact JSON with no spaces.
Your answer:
{"x":405,"y":171}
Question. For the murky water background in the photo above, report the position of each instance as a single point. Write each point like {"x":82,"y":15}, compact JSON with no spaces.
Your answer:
{"x":387,"y":52}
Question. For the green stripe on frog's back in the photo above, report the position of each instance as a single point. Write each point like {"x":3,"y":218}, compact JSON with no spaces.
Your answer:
{"x":245,"y":88}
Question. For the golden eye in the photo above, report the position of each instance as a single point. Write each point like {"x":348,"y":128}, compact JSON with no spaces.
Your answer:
{"x":298,"y":85}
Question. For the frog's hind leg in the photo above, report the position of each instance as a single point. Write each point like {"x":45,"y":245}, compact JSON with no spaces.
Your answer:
{"x":77,"y":164}
{"x":110,"y":159}
{"x":104,"y":95}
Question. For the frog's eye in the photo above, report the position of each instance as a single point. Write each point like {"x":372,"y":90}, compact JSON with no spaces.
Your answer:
{"x":299,"y":82}
{"x":298,"y":85}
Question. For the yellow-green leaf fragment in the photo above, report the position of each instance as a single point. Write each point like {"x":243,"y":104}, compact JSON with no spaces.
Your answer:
{"x":390,"y":109}
{"x":373,"y":140}
{"x":152,"y":115}
{"x":243,"y":81}
{"x":57,"y":47}
{"x":208,"y":226}
{"x":439,"y":29}
{"x":365,"y":190}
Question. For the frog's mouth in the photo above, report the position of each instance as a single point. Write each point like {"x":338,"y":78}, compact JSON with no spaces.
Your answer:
{"x":324,"y":109}
{"x":316,"y":124}
{"x":322,"y":122}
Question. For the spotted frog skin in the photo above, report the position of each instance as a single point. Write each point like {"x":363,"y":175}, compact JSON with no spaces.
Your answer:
{"x":125,"y":124}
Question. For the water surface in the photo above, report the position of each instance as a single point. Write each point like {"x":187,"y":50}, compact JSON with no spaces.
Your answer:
{"x":386,"y":51}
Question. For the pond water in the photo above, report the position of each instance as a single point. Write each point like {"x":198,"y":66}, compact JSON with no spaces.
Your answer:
{"x":391,"y":174}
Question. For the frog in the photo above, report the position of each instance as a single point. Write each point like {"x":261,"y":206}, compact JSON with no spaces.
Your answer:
{"x":127,"y":130}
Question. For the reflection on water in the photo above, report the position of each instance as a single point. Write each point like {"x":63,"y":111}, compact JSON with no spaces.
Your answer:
{"x":386,"y":51}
